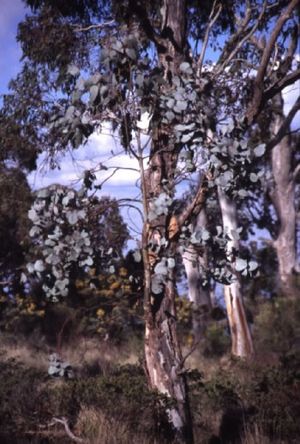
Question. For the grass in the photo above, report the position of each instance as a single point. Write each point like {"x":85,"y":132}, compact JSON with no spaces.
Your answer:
{"x":109,"y":402}
{"x":97,"y":428}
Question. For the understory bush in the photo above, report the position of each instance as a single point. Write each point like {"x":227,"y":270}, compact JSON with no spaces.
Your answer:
{"x":228,"y":406}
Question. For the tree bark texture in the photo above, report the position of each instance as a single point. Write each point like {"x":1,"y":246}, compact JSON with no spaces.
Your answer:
{"x":198,"y":293}
{"x":241,"y":340}
{"x":163,"y":357}
{"x":283,"y":199}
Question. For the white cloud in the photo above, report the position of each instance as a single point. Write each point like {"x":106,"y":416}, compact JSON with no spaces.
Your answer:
{"x":103,"y":149}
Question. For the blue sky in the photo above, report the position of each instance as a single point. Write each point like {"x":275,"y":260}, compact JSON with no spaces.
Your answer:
{"x":11,"y":13}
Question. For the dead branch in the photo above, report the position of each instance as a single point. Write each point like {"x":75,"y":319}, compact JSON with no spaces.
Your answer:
{"x":64,"y":422}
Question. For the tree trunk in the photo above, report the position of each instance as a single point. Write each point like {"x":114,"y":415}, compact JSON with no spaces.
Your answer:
{"x":165,"y":364}
{"x":198,"y":293}
{"x":242,"y":345}
{"x":163,"y":357}
{"x":283,"y":199}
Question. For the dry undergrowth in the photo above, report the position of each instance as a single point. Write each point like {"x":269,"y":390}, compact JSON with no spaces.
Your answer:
{"x":85,"y":354}
{"x":97,"y":428}
{"x":232,"y":401}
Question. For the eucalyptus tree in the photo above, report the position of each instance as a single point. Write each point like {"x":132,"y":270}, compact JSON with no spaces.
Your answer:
{"x":283,"y":197}
{"x":114,"y":61}
{"x":195,"y":261}
{"x":279,"y":214}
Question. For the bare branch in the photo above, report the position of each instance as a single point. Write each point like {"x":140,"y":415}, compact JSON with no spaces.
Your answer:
{"x":116,"y":168}
{"x":283,"y":130}
{"x":95,"y":26}
{"x":280,"y":85}
{"x":241,"y":26}
{"x":133,"y":207}
{"x":188,"y":354}
{"x":240,"y":44}
{"x":191,"y":209}
{"x":255,"y":104}
{"x":107,"y":179}
{"x":286,"y":63}
{"x":212,"y":20}
{"x":64,"y":422}
{"x":244,"y":23}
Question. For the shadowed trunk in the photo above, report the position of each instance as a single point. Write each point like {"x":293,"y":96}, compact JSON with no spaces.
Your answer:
{"x":198,"y":293}
{"x":242,"y":345}
{"x":163,"y":357}
{"x":283,"y":199}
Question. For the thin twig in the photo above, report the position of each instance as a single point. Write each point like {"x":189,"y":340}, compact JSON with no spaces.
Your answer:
{"x":95,"y":26}
{"x":193,"y":348}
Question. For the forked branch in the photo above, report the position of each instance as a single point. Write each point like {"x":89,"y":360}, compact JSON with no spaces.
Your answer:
{"x":255,"y":104}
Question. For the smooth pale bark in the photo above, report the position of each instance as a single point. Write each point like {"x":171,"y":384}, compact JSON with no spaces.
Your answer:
{"x":164,"y":363}
{"x":283,"y":199}
{"x":198,"y":294}
{"x":241,"y":340}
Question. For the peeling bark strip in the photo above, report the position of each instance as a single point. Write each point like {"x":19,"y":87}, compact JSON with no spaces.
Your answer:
{"x":283,"y":199}
{"x":242,"y":345}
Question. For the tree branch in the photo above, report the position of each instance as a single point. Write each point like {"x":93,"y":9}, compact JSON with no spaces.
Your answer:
{"x":255,"y":104}
{"x":90,"y":27}
{"x":240,"y":44}
{"x":176,"y":223}
{"x":240,"y":29}
{"x":212,"y":20}
{"x":283,"y":130}
{"x":280,"y":85}
{"x":64,"y":422}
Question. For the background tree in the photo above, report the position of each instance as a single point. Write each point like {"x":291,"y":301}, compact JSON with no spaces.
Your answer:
{"x":283,"y":198}
{"x":15,"y":201}
{"x":198,"y":282}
